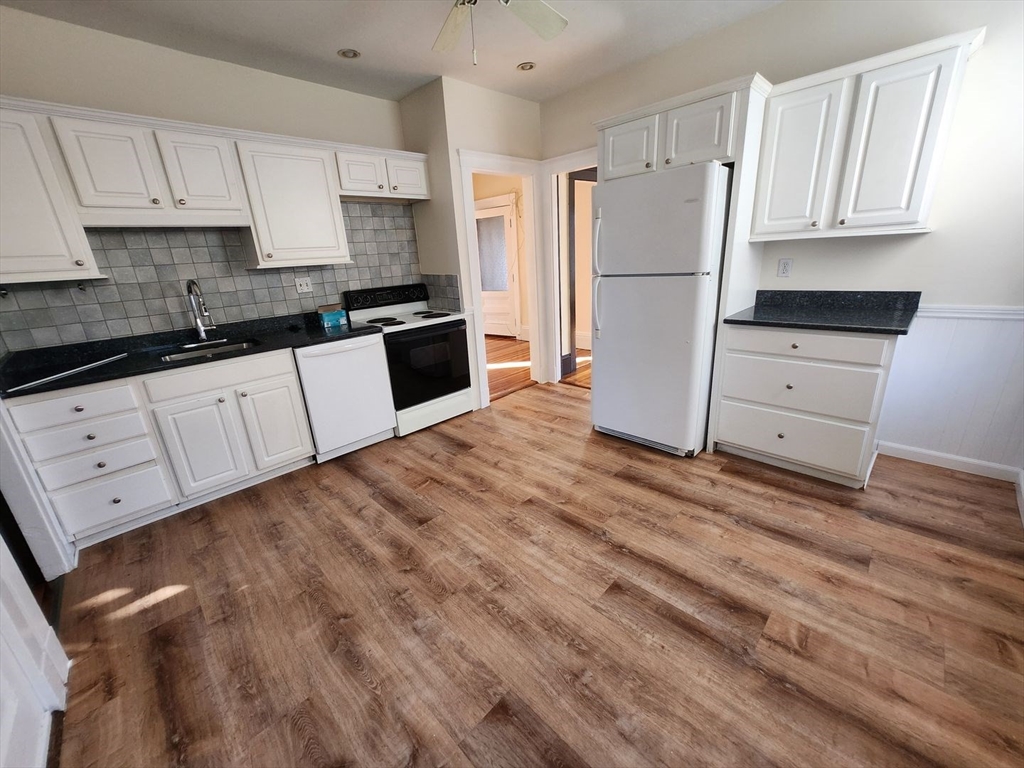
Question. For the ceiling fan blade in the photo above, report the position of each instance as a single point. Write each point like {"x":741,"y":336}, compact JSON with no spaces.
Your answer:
{"x":538,"y":16}
{"x":450,"y":33}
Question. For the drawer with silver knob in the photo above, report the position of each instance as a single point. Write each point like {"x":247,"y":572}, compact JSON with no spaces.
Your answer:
{"x":100,"y":502}
{"x":799,"y":343}
{"x":77,"y":469}
{"x":69,"y":409}
{"x":65,"y":441}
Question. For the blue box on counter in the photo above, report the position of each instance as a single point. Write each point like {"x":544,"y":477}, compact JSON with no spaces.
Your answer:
{"x":332,"y":316}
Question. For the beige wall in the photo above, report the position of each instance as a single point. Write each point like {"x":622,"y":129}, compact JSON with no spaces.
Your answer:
{"x":510,"y":189}
{"x":53,"y":61}
{"x":975,"y":256}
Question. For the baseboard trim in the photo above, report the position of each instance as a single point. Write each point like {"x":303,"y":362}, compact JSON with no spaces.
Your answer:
{"x":949,"y":461}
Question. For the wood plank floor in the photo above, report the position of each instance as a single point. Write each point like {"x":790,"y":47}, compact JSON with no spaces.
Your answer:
{"x":508,"y":365}
{"x":581,"y":376}
{"x":511,"y":588}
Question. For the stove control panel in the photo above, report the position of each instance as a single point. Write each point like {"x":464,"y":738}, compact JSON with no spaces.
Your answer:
{"x":369,"y":298}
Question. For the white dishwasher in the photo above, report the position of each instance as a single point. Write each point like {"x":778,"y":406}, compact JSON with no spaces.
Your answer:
{"x":348,"y":394}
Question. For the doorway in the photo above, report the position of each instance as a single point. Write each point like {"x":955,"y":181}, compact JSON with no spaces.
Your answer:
{"x":575,"y":257}
{"x":501,"y":245}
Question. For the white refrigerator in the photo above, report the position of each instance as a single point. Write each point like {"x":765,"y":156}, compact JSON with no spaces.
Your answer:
{"x":657,"y":252}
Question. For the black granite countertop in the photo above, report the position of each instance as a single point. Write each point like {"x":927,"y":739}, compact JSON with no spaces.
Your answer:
{"x":144,"y":352}
{"x":886,"y":312}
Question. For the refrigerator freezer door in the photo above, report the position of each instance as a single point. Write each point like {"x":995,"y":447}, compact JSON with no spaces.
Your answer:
{"x":659,"y":223}
{"x":651,"y":359}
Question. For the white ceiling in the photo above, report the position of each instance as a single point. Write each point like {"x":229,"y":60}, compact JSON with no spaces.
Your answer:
{"x":300,"y":38}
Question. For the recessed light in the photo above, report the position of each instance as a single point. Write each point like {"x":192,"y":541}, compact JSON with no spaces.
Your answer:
{"x":349,"y":53}
{"x":526,"y":66}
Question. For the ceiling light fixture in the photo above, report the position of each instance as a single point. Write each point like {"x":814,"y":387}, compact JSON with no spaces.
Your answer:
{"x":526,"y":66}
{"x":349,"y":53}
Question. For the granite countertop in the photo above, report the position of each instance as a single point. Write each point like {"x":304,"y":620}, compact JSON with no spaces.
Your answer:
{"x":144,"y":352}
{"x":885,"y":312}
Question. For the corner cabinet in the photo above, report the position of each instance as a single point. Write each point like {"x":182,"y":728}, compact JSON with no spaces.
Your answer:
{"x":296,"y":209}
{"x":41,"y":237}
{"x":856,"y":151}
{"x":371,"y":175}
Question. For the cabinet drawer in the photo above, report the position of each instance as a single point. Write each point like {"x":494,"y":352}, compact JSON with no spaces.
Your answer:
{"x":796,"y":343}
{"x":71,"y":408}
{"x":95,"y":464}
{"x":62,"y":442}
{"x":104,"y":501}
{"x":803,"y":439}
{"x":848,"y":393}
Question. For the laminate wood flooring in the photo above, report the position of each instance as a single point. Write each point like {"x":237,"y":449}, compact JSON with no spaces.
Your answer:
{"x":510,"y":588}
{"x":581,"y":376}
{"x":508,"y":365}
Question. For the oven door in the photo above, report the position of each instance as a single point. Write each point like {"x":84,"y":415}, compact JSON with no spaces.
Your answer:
{"x":427,"y":363}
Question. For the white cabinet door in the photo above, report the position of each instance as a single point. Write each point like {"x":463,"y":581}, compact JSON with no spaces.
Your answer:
{"x":110,"y":163}
{"x":294,"y":194}
{"x":700,"y":132}
{"x":630,"y":148}
{"x":895,"y":128}
{"x":275,"y":421}
{"x":41,"y":238}
{"x":203,"y":443}
{"x":200,"y":170}
{"x":407,"y":178}
{"x":796,"y":159}
{"x":363,"y":173}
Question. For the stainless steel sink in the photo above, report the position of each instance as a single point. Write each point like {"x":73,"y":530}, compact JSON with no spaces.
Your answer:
{"x":207,"y":351}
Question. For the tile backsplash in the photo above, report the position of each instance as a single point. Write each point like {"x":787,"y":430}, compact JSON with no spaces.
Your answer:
{"x":444,"y":292}
{"x":148,"y":269}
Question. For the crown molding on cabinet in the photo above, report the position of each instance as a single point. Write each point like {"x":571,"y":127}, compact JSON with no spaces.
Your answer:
{"x":237,"y":134}
{"x":755,"y":82}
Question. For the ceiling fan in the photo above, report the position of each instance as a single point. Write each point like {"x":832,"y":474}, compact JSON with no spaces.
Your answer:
{"x":536,"y":14}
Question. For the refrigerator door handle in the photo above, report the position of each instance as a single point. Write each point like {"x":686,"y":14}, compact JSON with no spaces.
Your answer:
{"x":597,"y":243}
{"x":597,"y":306}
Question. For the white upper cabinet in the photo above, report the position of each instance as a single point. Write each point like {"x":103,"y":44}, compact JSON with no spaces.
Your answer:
{"x":800,"y":137}
{"x":363,"y":173}
{"x":294,"y":194}
{"x":696,"y":133}
{"x":630,"y":148}
{"x":110,"y":164}
{"x":41,"y":238}
{"x":856,"y":150}
{"x":895,"y":129}
{"x":407,"y":178}
{"x":275,"y":420}
{"x":201,"y":171}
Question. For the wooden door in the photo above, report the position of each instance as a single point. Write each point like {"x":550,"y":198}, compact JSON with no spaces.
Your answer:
{"x":895,"y":129}
{"x":800,"y":137}
{"x":630,"y":148}
{"x":275,"y":421}
{"x":41,"y":237}
{"x":407,"y":177}
{"x":497,"y":244}
{"x":201,"y":171}
{"x":697,"y":133}
{"x":203,"y":442}
{"x":362,"y":173}
{"x":110,"y":164}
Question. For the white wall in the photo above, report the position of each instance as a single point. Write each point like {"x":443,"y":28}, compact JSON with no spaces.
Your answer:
{"x":976,"y":254}
{"x":54,"y":61}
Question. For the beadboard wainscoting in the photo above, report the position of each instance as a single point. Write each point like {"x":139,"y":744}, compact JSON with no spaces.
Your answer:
{"x":956,"y":392}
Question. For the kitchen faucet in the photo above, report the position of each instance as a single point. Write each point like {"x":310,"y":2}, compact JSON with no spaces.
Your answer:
{"x":194,"y":299}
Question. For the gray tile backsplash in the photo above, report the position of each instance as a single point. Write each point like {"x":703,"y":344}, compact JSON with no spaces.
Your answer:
{"x":444,"y":292}
{"x":148,"y":269}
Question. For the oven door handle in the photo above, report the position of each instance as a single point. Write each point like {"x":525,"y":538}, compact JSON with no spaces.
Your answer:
{"x":438,"y":329}
{"x":336,"y":348}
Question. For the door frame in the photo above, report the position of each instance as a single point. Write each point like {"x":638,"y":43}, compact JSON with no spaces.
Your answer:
{"x":484,"y":209}
{"x":568,"y":361}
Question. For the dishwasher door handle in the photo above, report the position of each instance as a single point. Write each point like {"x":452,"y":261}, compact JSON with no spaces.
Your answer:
{"x":337,"y":348}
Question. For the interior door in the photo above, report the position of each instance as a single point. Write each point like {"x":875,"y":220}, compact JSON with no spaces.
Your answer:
{"x":499,"y":267}
{"x":200,"y":170}
{"x":275,"y":421}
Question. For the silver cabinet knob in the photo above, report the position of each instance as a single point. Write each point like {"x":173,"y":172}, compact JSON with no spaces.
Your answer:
{"x":220,"y":399}
{"x":781,"y":435}
{"x":794,"y":345}
{"x":79,"y":263}
{"x":668,"y":161}
{"x":181,"y":201}
{"x":814,"y":223}
{"x":395,"y":189}
{"x":842,"y":221}
{"x":244,"y":394}
{"x":647,"y":165}
{"x":79,"y":408}
{"x":101,"y":465}
{"x":116,"y":499}
{"x":789,"y":386}
{"x":380,"y":186}
{"x":270,"y":255}
{"x":90,"y":436}
{"x":155,"y":201}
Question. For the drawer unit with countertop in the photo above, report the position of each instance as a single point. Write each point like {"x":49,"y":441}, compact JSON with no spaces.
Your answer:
{"x":802,"y":377}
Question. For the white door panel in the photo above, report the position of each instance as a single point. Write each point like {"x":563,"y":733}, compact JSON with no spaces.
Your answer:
{"x":200,"y":170}
{"x":700,"y":132}
{"x":407,"y":177}
{"x":498,"y":249}
{"x":630,"y":148}
{"x":275,"y":421}
{"x":362,"y":173}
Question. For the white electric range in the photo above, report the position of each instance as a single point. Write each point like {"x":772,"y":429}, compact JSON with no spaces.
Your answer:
{"x":427,"y":351}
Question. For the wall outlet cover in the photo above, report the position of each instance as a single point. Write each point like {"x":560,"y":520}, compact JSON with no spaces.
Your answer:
{"x":785,"y":267}
{"x":303,"y":285}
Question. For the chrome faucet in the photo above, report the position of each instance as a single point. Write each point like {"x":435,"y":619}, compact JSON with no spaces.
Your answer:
{"x":194,"y":299}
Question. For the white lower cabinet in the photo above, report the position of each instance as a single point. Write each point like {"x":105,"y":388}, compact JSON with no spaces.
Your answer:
{"x":274,"y":421}
{"x":805,"y":400}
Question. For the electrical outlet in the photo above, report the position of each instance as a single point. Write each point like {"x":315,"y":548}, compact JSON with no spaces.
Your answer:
{"x":785,"y":267}
{"x":302,"y":285}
